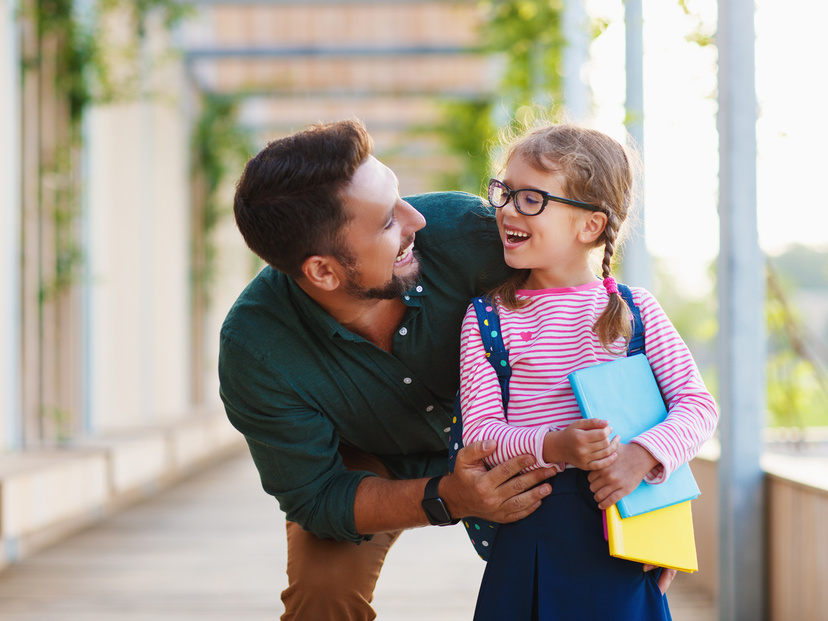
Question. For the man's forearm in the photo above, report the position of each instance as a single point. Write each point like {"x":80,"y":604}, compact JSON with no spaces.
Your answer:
{"x":383,"y":504}
{"x":499,"y":495}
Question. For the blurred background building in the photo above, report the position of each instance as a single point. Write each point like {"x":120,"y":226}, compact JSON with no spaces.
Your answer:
{"x":124,"y":124}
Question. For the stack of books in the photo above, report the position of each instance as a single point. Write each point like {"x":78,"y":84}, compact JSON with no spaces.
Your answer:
{"x":654,"y":523}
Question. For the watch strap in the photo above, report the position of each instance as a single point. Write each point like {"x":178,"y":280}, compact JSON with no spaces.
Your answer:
{"x":433,"y":506}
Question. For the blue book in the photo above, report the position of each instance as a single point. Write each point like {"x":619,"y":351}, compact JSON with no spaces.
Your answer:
{"x":625,"y":393}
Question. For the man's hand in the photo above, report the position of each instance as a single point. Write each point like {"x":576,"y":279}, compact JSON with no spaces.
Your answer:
{"x":621,"y":477}
{"x":665,"y":579}
{"x":497,"y":495}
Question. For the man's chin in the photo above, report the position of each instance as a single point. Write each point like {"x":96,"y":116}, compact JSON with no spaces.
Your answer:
{"x":394,"y":288}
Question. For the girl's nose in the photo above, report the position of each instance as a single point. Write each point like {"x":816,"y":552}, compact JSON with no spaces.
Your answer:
{"x":510,"y":206}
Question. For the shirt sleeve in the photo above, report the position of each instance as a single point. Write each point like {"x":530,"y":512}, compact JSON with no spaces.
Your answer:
{"x":481,"y":401}
{"x":691,"y":410}
{"x":294,"y":447}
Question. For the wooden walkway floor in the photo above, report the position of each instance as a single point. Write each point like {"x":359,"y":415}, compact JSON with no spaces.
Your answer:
{"x":212,"y":548}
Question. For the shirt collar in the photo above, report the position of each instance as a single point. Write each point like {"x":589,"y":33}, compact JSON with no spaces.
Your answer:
{"x":412,"y":298}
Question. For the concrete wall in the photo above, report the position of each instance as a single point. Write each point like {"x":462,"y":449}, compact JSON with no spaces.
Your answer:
{"x":47,"y":495}
{"x":138,"y":252}
{"x":140,"y":429}
{"x":9,"y":227}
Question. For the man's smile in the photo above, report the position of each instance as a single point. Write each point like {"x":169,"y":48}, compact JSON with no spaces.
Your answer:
{"x":405,"y":255}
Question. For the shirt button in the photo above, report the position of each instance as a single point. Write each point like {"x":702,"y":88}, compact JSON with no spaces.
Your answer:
{"x":447,"y":430}
{"x":429,"y":408}
{"x":403,"y":331}
{"x":407,"y":297}
{"x":406,"y":380}
{"x":419,"y":289}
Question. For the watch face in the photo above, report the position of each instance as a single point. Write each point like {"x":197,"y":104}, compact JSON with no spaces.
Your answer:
{"x":436,"y":511}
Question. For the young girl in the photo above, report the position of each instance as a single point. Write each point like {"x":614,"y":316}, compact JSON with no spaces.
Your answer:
{"x":566,"y":191}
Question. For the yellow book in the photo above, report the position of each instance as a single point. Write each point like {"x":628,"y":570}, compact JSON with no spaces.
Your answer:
{"x":663,"y":537}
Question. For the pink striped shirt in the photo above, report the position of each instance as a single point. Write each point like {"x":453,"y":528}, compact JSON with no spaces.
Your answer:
{"x":549,"y":338}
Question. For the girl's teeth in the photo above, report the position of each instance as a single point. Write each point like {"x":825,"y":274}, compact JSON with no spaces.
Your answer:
{"x":515,"y":236}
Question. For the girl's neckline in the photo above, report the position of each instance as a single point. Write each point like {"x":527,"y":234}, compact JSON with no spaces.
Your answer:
{"x":584,"y":287}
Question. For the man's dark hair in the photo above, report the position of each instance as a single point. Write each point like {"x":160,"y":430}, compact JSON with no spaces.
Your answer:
{"x":288,"y":204}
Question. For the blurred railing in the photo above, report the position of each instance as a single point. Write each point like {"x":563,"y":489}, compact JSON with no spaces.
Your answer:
{"x":797,"y":535}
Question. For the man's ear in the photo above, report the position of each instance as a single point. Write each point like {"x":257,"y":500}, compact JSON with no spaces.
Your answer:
{"x":322,"y":271}
{"x":593,"y":226}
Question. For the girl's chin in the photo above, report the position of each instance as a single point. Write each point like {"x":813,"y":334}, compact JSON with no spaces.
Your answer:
{"x":513,"y":261}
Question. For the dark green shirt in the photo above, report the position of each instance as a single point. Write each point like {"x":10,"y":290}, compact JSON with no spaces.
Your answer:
{"x":296,"y":383}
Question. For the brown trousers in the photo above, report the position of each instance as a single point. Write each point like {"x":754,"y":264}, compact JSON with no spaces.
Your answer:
{"x":330,"y":579}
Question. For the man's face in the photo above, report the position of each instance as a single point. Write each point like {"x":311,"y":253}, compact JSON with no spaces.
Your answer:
{"x":379,"y":237}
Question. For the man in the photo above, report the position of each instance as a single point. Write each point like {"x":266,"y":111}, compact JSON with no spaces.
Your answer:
{"x":339,"y":361}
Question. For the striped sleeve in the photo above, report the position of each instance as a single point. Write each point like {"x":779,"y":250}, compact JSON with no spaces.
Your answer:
{"x":691,"y":409}
{"x":482,"y":405}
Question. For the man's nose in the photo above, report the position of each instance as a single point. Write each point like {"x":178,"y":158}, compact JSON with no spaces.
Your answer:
{"x":411,"y":219}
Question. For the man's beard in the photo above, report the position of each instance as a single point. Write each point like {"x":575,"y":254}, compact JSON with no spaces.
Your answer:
{"x":394,"y":288}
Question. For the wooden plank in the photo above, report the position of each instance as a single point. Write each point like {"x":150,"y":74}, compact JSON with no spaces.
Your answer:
{"x":212,"y":548}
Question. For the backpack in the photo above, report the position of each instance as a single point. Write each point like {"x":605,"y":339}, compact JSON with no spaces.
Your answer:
{"x":482,"y":532}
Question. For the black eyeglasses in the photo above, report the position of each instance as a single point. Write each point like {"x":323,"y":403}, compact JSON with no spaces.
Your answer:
{"x":529,"y":202}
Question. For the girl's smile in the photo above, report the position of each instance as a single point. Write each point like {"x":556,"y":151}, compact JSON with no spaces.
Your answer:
{"x":514,"y":237}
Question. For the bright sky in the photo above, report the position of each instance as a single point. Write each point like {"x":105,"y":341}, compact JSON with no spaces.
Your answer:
{"x":680,"y":125}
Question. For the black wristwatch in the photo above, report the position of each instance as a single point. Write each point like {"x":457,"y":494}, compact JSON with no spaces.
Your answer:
{"x":434,"y":507}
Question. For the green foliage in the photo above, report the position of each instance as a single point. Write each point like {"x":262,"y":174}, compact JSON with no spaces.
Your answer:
{"x":527,"y":35}
{"x":86,"y":57}
{"x":795,"y":397}
{"x":703,"y":34}
{"x":467,"y":129}
{"x":85,"y":73}
{"x":55,"y":18}
{"x":220,"y":147}
{"x":694,"y":317}
{"x":796,"y":378}
{"x":797,"y":383}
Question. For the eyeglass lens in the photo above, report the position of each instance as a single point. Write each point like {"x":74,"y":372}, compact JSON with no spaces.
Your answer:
{"x":498,"y":194}
{"x":527,"y":202}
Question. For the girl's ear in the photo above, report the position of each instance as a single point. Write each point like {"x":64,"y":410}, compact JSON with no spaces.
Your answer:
{"x":322,"y":271}
{"x":592,"y":227}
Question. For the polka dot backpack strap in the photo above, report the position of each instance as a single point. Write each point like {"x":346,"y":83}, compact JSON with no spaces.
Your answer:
{"x":482,"y":532}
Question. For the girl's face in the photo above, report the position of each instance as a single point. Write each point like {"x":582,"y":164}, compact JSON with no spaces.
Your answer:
{"x":552,"y":244}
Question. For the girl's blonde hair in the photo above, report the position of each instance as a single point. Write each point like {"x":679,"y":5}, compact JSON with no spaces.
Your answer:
{"x":596,"y":169}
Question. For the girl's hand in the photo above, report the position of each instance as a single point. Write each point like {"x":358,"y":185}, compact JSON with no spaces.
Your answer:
{"x":664,"y":579}
{"x":622,"y":476}
{"x":585,"y":444}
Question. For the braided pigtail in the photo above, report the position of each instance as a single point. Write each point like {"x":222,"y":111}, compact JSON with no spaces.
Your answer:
{"x":614,"y":322}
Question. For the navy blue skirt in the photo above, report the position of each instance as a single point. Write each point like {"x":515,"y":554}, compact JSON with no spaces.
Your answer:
{"x":555,"y":566}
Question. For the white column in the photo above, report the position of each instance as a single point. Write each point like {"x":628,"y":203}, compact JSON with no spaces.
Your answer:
{"x":743,"y":557}
{"x":637,"y":262}
{"x":576,"y":32}
{"x":10,"y":404}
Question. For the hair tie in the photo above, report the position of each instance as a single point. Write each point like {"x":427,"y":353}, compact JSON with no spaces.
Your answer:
{"x":610,"y":285}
